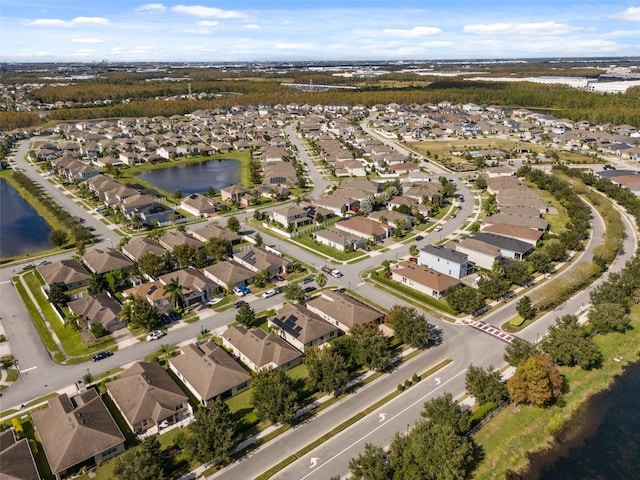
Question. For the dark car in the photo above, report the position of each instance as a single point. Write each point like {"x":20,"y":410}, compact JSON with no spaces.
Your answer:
{"x":279,"y":290}
{"x":279,"y":278}
{"x":307,"y":280}
{"x":309,"y":289}
{"x":100,"y":356}
{"x":91,"y":229}
{"x":166,"y":319}
{"x":239,"y":303}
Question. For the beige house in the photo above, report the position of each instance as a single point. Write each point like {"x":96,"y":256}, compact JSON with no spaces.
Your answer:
{"x":301,"y":327}
{"x":77,"y":432}
{"x":211,"y":230}
{"x":138,"y":247}
{"x":153,"y":292}
{"x":259,"y":259}
{"x":233,"y":193}
{"x":366,"y":228}
{"x":423,"y":279}
{"x":208,"y":371}
{"x":104,"y":260}
{"x":197,"y":286}
{"x":198,"y":204}
{"x":229,"y":274}
{"x":343,"y":310}
{"x":148,"y":399}
{"x":16,"y":458}
{"x":260,"y":350}
{"x":69,"y":274}
{"x":99,"y":308}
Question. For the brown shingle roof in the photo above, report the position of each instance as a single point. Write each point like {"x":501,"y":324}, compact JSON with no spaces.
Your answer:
{"x":343,"y":308}
{"x":64,"y":271}
{"x":263,"y":349}
{"x":103,"y":260}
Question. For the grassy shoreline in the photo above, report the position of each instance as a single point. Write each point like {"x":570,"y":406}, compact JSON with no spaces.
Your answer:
{"x":516,"y":434}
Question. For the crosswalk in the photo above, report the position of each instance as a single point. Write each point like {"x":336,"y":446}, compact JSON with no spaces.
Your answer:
{"x":491,"y":330}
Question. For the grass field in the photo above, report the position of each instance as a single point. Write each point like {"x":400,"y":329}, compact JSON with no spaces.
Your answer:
{"x":515,"y":433}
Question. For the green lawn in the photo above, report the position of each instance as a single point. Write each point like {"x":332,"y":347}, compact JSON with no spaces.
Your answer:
{"x":412,"y":293}
{"x":515,"y":433}
{"x":334,"y":253}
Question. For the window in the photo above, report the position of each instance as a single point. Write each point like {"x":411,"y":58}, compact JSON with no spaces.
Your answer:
{"x":178,"y":407}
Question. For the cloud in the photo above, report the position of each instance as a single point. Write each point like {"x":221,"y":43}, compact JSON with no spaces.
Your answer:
{"x":294,"y":46}
{"x":207,"y":12}
{"x":208,"y":23}
{"x":151,"y":7}
{"x":252,"y":26}
{"x":86,"y":40}
{"x":413,"y":32}
{"x":56,"y":22}
{"x":631,"y":14}
{"x":513,"y":28}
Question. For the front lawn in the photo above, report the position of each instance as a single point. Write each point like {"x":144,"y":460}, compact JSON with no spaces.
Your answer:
{"x":334,"y":253}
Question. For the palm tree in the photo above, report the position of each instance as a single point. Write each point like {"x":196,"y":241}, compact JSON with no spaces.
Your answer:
{"x":176,"y":292}
{"x":321,"y":280}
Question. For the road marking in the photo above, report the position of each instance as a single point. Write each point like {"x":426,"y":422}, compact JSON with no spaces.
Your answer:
{"x":28,"y":369}
{"x":6,"y":281}
{"x":360,"y":284}
{"x":314,"y":462}
{"x":421,"y":399}
{"x":383,"y":416}
{"x":437,"y":381}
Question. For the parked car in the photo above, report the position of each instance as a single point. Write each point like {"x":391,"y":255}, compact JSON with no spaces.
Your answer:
{"x":100,"y":356}
{"x":245,"y":290}
{"x":91,"y":229}
{"x":413,"y":259}
{"x":279,"y":278}
{"x":326,"y":269}
{"x":269,"y":293}
{"x":238,"y":291}
{"x":239,"y":303}
{"x":306,"y":280}
{"x":438,"y":229}
{"x":155,"y":335}
{"x":166,"y":319}
{"x":309,"y":289}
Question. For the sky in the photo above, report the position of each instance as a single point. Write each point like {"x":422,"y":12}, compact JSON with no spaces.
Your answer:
{"x":285,"y":30}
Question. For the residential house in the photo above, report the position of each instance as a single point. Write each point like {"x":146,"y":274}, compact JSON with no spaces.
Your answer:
{"x":211,"y":230}
{"x":197,"y":286}
{"x":233,"y":193}
{"x":148,"y":398}
{"x":99,"y":308}
{"x":198,"y":204}
{"x":338,"y":239}
{"x":447,"y":261}
{"x":138,"y":247}
{"x":337,"y":203}
{"x":366,"y":228}
{"x":259,"y":259}
{"x":260,"y":350}
{"x":423,"y":279}
{"x":507,"y":219}
{"x":290,"y":214}
{"x":208,"y":371}
{"x":16,"y":458}
{"x":508,"y":247}
{"x":69,"y":274}
{"x":104,"y":260}
{"x":519,"y":232}
{"x":170,"y":239}
{"x":77,"y":432}
{"x":154,"y":213}
{"x":480,"y":253}
{"x":301,"y":327}
{"x":343,"y":311}
{"x":229,"y":274}
{"x":152,"y":292}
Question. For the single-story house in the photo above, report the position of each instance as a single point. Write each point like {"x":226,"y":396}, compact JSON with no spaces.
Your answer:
{"x":509,"y":247}
{"x":260,"y":350}
{"x":211,"y":230}
{"x":197,"y":286}
{"x":339,"y":239}
{"x":198,"y":204}
{"x":99,"y":308}
{"x":301,"y":327}
{"x":259,"y":259}
{"x":366,"y":228}
{"x":208,"y":371}
{"x":103,"y":260}
{"x":229,"y":274}
{"x":16,"y":457}
{"x":148,"y":398}
{"x":69,"y":274}
{"x":522,"y":233}
{"x":170,"y":239}
{"x":423,"y":279}
{"x":152,"y":292}
{"x":138,"y":247}
{"x":343,"y":311}
{"x":77,"y":432}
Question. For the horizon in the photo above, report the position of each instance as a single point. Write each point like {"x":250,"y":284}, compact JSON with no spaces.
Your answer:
{"x":124,"y":31}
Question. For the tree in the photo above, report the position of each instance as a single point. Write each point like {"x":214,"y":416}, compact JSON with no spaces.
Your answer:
{"x":327,"y":369}
{"x":57,"y":295}
{"x":410,"y":326}
{"x":567,"y":343}
{"x":490,"y":204}
{"x":81,"y":248}
{"x":539,"y":261}
{"x":493,"y":286}
{"x":184,"y":255}
{"x":464,"y":299}
{"x":219,"y":248}
{"x":140,"y":312}
{"x":246,"y":315}
{"x":178,"y":194}
{"x":273,"y":396}
{"x":432,"y":451}
{"x":556,"y":251}
{"x":211,"y":192}
{"x":321,"y":280}
{"x":58,"y":238}
{"x":262,"y":278}
{"x":367,"y":204}
{"x":213,"y":433}
{"x":233,"y":224}
{"x":444,"y":410}
{"x":151,"y":265}
{"x":258,"y":239}
{"x":519,"y":351}
{"x":97,"y":283}
{"x":610,"y":317}
{"x":413,"y":250}
{"x":485,"y":385}
{"x":525,"y":309}
{"x":142,"y":462}
{"x":294,"y":293}
{"x":114,"y":278}
{"x":537,"y":381}
{"x":176,"y":292}
{"x":372,"y":464}
{"x":98,"y":330}
{"x":481,"y":183}
{"x":517,"y":272}
{"x":372,"y":348}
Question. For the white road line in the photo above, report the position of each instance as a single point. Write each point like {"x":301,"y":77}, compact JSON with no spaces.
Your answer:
{"x":421,"y":399}
{"x":28,"y":369}
{"x":6,"y":281}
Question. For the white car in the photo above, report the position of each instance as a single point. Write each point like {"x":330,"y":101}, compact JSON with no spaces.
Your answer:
{"x":438,"y":228}
{"x":238,"y":291}
{"x":155,"y":335}
{"x":269,"y":293}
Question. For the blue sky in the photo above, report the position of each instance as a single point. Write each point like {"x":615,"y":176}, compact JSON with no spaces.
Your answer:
{"x":243,"y":30}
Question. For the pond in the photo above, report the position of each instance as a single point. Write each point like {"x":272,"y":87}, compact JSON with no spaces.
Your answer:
{"x":22,"y":230}
{"x":196,"y":177}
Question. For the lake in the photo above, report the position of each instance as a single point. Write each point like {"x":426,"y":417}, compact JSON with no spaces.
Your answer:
{"x":196,"y":177}
{"x":605,"y":437}
{"x":22,"y":230}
